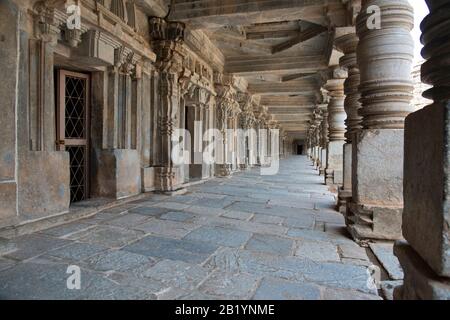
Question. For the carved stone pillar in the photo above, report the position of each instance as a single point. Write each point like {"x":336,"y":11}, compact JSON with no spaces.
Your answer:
{"x":385,"y":59}
{"x":316,"y":133}
{"x":336,"y":131}
{"x":323,"y":139}
{"x":246,"y":118}
{"x":167,"y":39}
{"x":425,"y":257}
{"x":225,"y":106}
{"x":348,"y":44}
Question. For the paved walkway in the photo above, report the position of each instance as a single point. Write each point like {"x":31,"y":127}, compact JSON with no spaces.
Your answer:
{"x":247,"y":237}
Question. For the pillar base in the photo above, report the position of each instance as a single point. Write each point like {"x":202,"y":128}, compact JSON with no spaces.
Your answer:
{"x":366,"y":222}
{"x":377,"y":182}
{"x":344,"y":197}
{"x":420,"y":282}
{"x":224,"y":170}
{"x":167,"y":179}
{"x":333,"y":171}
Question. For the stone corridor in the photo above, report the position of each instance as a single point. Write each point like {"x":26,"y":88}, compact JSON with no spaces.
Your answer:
{"x":244,"y":237}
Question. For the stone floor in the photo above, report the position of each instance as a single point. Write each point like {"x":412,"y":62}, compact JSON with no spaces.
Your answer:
{"x":245,"y":237}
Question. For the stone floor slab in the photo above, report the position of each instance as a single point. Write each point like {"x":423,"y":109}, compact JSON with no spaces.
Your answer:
{"x":173,"y":249}
{"x":108,"y":236}
{"x":239,"y":215}
{"x":317,"y":251}
{"x":177,"y":274}
{"x":127,"y":220}
{"x":385,"y":254}
{"x":118,"y":260}
{"x":278,"y":289}
{"x":220,"y":236}
{"x":179,"y":216}
{"x":233,"y":286}
{"x":268,"y":219}
{"x":67,"y":229}
{"x":33,"y":245}
{"x":150,"y":211}
{"x":167,"y":228}
{"x":270,"y":244}
{"x":77,"y":251}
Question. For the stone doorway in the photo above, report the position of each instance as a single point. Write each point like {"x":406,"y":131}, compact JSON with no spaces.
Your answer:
{"x":299,"y":149}
{"x":72,"y":128}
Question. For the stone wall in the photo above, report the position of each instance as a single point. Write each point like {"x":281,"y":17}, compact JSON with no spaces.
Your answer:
{"x":143,"y":73}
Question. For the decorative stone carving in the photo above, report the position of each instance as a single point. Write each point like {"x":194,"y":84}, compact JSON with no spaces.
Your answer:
{"x":47,"y":27}
{"x":167,"y":40}
{"x":247,"y":117}
{"x":161,"y":29}
{"x":72,"y":37}
{"x":119,"y":9}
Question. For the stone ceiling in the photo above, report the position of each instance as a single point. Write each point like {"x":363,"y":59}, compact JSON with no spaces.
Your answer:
{"x":281,"y":47}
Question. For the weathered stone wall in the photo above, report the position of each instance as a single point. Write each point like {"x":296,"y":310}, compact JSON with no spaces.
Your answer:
{"x":139,"y":79}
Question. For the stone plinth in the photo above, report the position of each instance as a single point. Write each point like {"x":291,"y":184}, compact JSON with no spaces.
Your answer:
{"x":323,"y":160}
{"x":345,"y":192}
{"x":377,"y":177}
{"x":420,"y":282}
{"x":333,"y":172}
{"x":44,"y":184}
{"x":116,"y":174}
{"x":426,"y":214}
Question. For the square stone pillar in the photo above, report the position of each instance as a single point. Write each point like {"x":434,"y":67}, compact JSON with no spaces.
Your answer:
{"x":377,"y":184}
{"x":323,"y":162}
{"x":426,"y":255}
{"x":9,"y":63}
{"x":333,"y":172}
{"x":345,"y":192}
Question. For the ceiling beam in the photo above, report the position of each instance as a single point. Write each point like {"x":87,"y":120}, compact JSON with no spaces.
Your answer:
{"x":232,"y":42}
{"x":296,"y":76}
{"x":217,"y":13}
{"x":287,"y":101}
{"x":301,"y":37}
{"x":257,"y":64}
{"x":153,"y":8}
{"x":293,"y":87}
{"x":272,"y":30}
